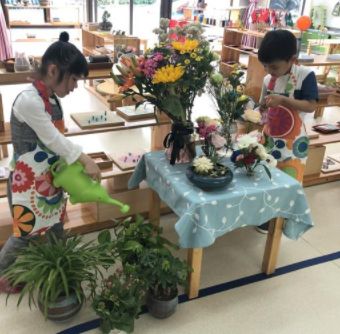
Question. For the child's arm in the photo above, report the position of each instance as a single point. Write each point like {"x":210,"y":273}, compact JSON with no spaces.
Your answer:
{"x":30,"y":109}
{"x":274,"y":100}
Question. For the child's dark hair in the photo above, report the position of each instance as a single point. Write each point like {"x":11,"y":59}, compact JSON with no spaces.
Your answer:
{"x":66,"y":57}
{"x":277,"y":45}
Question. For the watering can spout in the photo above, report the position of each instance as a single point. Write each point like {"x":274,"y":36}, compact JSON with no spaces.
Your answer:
{"x":124,"y":208}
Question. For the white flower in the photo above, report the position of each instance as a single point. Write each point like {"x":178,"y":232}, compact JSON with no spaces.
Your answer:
{"x":245,"y":140}
{"x":270,"y":160}
{"x":260,"y":151}
{"x":253,"y":116}
{"x":203,"y":165}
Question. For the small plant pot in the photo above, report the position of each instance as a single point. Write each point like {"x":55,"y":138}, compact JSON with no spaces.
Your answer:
{"x":161,"y":309}
{"x":64,"y":308}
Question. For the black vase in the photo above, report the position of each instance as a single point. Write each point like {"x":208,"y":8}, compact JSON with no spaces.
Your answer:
{"x":179,"y":143}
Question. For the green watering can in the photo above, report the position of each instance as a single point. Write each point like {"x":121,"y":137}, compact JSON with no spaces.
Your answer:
{"x":80,"y":186}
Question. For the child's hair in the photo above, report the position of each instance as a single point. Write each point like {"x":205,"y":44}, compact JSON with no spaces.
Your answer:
{"x":66,"y":57}
{"x":277,"y":45}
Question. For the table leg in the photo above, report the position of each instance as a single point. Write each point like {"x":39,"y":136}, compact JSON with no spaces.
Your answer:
{"x":154,"y":208}
{"x":195,"y":261}
{"x":272,"y":245}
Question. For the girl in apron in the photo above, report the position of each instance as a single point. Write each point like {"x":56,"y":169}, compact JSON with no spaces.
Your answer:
{"x":289,"y":91}
{"x":37,"y":135}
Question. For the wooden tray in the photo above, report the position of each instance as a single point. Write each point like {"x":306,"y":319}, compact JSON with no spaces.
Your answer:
{"x":128,"y":160}
{"x":130,"y":113}
{"x":99,"y":119}
{"x":102,"y":159}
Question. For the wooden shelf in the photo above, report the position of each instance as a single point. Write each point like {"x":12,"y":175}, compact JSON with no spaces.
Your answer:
{"x":74,"y":130}
{"x":10,"y":78}
{"x":320,"y":178}
{"x":21,"y":25}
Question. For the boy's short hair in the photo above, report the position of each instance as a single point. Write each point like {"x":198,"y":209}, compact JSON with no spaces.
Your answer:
{"x":277,"y":45}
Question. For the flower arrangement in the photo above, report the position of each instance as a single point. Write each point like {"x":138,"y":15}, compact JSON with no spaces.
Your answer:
{"x":209,"y":130}
{"x":251,"y":154}
{"x":230,"y":101}
{"x":172,"y":73}
{"x":210,"y":163}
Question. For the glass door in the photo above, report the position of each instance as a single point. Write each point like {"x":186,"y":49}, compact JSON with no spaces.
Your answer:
{"x":119,"y":11}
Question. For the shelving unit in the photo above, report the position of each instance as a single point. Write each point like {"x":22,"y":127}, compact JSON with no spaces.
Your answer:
{"x":48,"y":19}
{"x":94,"y":39}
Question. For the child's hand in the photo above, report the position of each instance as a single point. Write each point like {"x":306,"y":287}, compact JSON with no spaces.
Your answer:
{"x":274,"y":100}
{"x":90,"y":167}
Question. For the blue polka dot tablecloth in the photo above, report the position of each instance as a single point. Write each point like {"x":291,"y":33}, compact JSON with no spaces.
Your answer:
{"x":246,"y":201}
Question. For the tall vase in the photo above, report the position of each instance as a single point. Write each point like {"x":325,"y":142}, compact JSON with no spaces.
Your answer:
{"x":179,"y":143}
{"x":229,"y":131}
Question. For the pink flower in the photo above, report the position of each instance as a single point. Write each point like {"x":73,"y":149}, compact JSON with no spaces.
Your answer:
{"x":217,"y":140}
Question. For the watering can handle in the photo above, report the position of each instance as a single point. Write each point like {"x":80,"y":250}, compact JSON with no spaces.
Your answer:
{"x":57,"y":167}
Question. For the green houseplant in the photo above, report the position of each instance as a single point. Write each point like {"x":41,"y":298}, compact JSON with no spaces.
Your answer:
{"x":118,"y":301}
{"x":146,"y":254}
{"x":56,"y":272}
{"x":105,"y":25}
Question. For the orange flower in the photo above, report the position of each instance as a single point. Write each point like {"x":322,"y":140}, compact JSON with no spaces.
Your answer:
{"x":23,"y":220}
{"x":129,"y":81}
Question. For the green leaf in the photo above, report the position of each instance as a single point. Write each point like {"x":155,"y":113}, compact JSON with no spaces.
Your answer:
{"x":173,"y":107}
{"x":104,"y":237}
{"x":267,"y":171}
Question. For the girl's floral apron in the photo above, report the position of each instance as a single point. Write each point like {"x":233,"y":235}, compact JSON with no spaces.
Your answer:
{"x":37,"y":205}
{"x":286,"y":135}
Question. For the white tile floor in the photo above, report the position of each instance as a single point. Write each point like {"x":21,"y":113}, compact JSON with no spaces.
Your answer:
{"x":303,"y":301}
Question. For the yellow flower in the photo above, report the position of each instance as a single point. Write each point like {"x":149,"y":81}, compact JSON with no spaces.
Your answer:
{"x":168,"y":73}
{"x":187,"y":46}
{"x":193,"y":55}
{"x":187,"y":61}
{"x":198,"y":58}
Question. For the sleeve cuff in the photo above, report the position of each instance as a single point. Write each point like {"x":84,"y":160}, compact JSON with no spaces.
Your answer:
{"x":74,"y":154}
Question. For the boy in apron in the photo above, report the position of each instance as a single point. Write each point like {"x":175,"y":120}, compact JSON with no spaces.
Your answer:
{"x":37,"y":135}
{"x":289,"y":92}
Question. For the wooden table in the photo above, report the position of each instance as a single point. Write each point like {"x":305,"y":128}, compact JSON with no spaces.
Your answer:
{"x":205,"y":216}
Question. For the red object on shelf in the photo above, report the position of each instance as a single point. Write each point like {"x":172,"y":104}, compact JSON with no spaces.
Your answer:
{"x":303,"y":23}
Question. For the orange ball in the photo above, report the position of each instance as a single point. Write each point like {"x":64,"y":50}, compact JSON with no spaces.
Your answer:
{"x":303,"y":22}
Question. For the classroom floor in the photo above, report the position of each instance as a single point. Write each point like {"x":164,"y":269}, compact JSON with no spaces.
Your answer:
{"x":302,"y":298}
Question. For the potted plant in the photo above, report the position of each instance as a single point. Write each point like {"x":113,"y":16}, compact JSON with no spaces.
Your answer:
{"x":57,"y":270}
{"x":118,"y":301}
{"x":164,"y":273}
{"x":147,"y":254}
{"x":105,"y":25}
